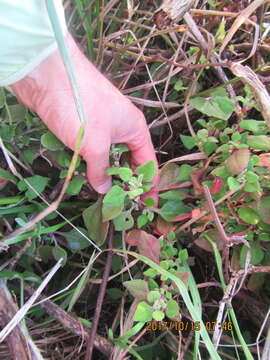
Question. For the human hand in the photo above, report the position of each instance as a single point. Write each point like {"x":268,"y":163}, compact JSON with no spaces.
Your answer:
{"x":112,"y":118}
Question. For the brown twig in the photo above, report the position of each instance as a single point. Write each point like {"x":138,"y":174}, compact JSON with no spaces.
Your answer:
{"x":102,"y":290}
{"x":70,"y":322}
{"x":205,"y":212}
{"x":133,"y":343}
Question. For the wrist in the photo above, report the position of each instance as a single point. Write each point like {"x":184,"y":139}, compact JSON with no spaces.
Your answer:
{"x":44,"y":79}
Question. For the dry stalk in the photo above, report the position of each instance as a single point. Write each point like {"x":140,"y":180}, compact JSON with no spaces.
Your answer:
{"x":249,"y":78}
{"x":241,"y":18}
{"x":22,"y":312}
{"x":70,"y":322}
{"x":17,"y":344}
{"x":101,"y":295}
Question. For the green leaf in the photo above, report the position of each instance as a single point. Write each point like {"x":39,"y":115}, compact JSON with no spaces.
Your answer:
{"x":248,"y":215}
{"x":96,"y":228}
{"x":252,"y":187}
{"x":178,"y":194}
{"x":263,"y":209}
{"x":50,"y":141}
{"x":220,"y":33}
{"x":59,"y":253}
{"x":146,"y":187}
{"x":138,"y":288}
{"x":10,"y":275}
{"x":153,"y":285}
{"x":188,"y":141}
{"x":179,"y":85}
{"x":2,"y":98}
{"x":7,"y":175}
{"x":153,"y":296}
{"x":124,"y":221}
{"x":172,"y":309}
{"x":173,"y":208}
{"x":63,"y":158}
{"x":260,"y":142}
{"x":142,"y":220}
{"x":257,"y":254}
{"x":30,"y":276}
{"x":254,"y":126}
{"x":233,"y":184}
{"x":185,"y":172}
{"x":150,"y":273}
{"x":37,"y":182}
{"x":209,"y":147}
{"x":143,"y":312}
{"x":158,"y":315}
{"x":149,"y":202}
{"x":75,"y":185}
{"x":76,"y":241}
{"x":110,"y":212}
{"x":264,"y":236}
{"x":115,"y":196}
{"x":147,"y":170}
{"x":132,"y":194}
{"x":115,"y":293}
{"x":45,"y":253}
{"x":219,"y":106}
{"x":29,"y":156}
{"x":17,"y":113}
{"x":124,"y":173}
{"x":131,"y":333}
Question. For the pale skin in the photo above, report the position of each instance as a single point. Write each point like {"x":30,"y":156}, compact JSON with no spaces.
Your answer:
{"x":112,"y":118}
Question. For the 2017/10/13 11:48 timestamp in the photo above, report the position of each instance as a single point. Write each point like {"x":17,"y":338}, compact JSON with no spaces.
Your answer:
{"x":187,"y":325}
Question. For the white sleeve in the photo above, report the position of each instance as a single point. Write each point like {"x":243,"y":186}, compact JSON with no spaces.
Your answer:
{"x":26,"y":37}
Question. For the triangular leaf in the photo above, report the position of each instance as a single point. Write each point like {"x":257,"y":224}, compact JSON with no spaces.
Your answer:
{"x":92,"y":217}
{"x":138,"y":288}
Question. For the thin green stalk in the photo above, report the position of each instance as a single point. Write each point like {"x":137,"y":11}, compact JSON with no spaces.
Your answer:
{"x":59,"y":36}
{"x":194,"y":312}
{"x":229,"y":302}
{"x":197,"y":302}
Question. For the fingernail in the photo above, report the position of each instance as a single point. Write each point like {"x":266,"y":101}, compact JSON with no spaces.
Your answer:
{"x":102,"y":189}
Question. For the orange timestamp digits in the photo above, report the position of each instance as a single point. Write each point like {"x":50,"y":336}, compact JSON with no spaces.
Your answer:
{"x":187,"y":325}
{"x":170,"y":325}
{"x":225,"y":325}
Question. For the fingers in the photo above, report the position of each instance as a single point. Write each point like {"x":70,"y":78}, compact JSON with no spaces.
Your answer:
{"x":142,"y":150}
{"x":96,"y":155}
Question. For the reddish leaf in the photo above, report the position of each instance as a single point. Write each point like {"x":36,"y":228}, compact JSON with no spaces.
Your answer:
{"x":263,"y":209}
{"x":215,"y":189}
{"x":3,"y":183}
{"x":132,"y":238}
{"x":264,"y":160}
{"x":168,"y":176}
{"x":182,"y":275}
{"x":182,"y":217}
{"x":238,"y":161}
{"x":163,"y":227}
{"x":195,"y":213}
{"x":214,"y":235}
{"x":138,"y":288}
{"x":148,"y":245}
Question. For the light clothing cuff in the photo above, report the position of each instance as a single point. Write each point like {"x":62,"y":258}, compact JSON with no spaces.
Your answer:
{"x":26,"y":36}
